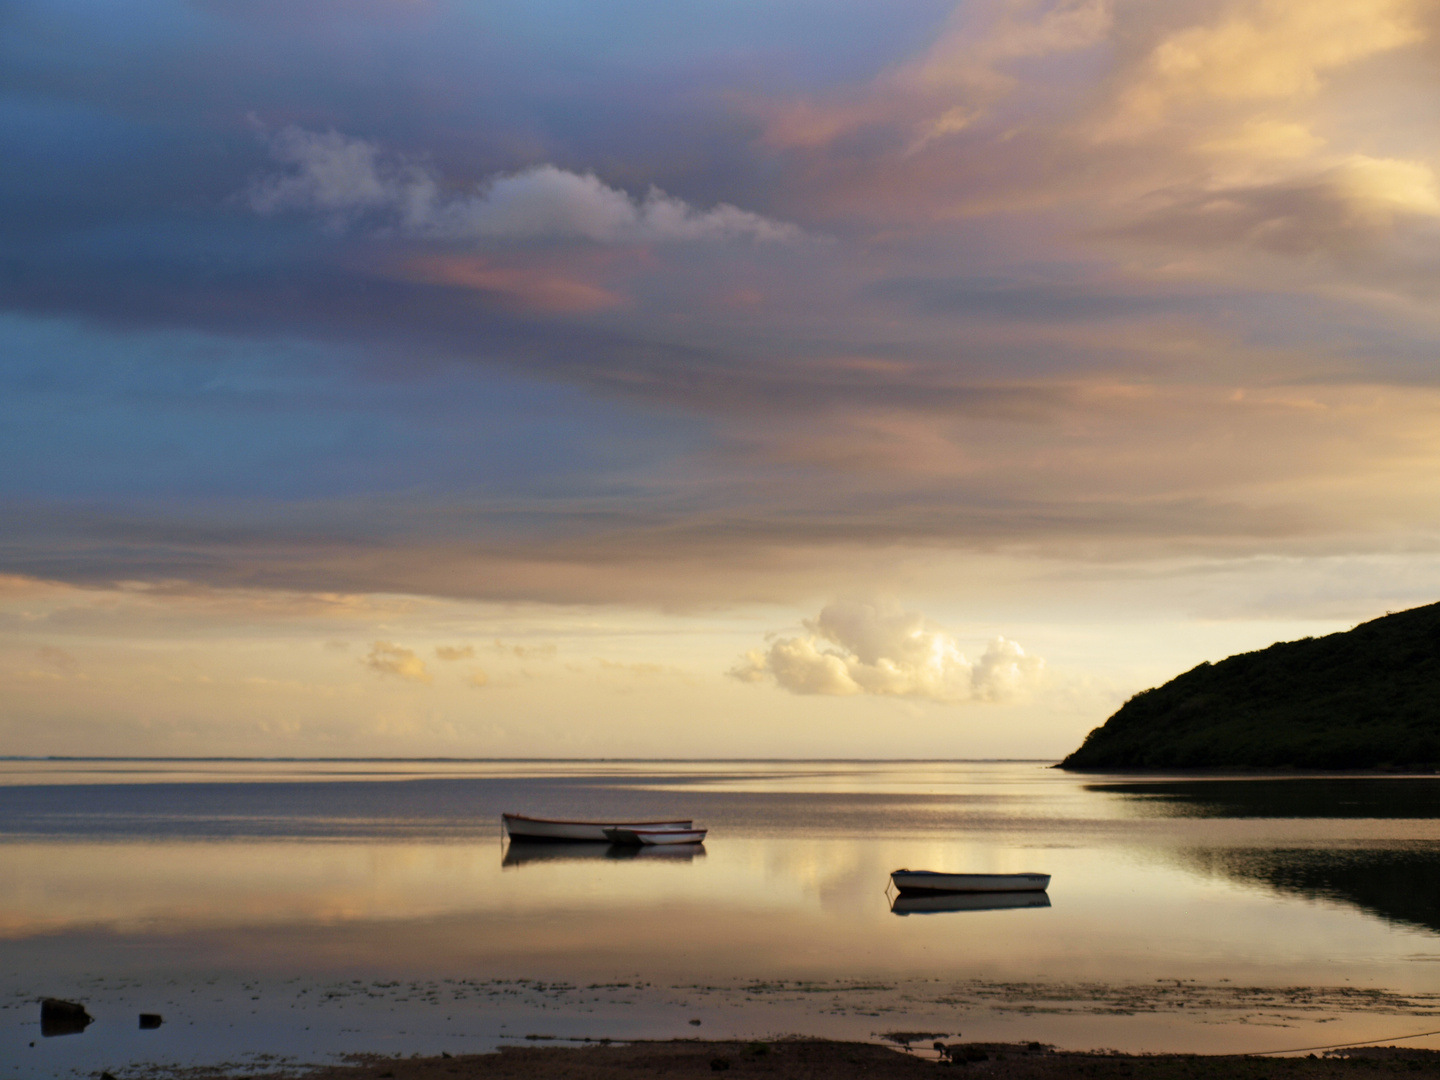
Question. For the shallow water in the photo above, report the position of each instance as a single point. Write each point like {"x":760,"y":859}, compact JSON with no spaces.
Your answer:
{"x":305,"y":909}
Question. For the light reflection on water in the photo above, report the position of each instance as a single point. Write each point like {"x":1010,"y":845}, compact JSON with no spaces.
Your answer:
{"x":310,"y":909}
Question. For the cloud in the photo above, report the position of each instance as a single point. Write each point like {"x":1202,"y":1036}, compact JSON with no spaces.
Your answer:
{"x":455,"y":652}
{"x":954,"y":85}
{"x":1274,"y":50}
{"x":545,"y":201}
{"x":387,"y":658}
{"x":477,"y":678}
{"x":344,"y":177}
{"x":535,"y":290}
{"x":1350,"y":207}
{"x":56,"y":658}
{"x":332,"y":173}
{"x":880,"y":649}
{"x":1005,"y":671}
{"x":546,"y":650}
{"x":641,"y":670}
{"x":1158,"y":120}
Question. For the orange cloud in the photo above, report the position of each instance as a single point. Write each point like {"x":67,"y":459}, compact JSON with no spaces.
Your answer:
{"x":387,"y":658}
{"x":536,"y":290}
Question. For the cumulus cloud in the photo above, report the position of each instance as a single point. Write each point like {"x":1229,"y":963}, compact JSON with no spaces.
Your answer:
{"x":387,"y":658}
{"x":455,"y":652}
{"x":855,"y":648}
{"x":332,"y":173}
{"x":344,"y":178}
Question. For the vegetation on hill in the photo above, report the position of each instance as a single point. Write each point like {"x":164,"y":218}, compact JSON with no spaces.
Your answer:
{"x":1368,"y":698}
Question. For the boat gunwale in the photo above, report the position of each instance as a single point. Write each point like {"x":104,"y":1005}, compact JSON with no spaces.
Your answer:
{"x":950,"y":873}
{"x":601,"y":824}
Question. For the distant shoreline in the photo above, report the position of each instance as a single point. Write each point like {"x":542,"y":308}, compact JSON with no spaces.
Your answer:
{"x":544,"y":760}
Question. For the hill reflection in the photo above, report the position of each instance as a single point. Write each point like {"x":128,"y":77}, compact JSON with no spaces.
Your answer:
{"x":1400,"y":884}
{"x":1322,"y":797}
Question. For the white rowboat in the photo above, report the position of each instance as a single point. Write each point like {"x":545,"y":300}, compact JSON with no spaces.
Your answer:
{"x":520,"y":827}
{"x":627,"y":834}
{"x":908,"y":881}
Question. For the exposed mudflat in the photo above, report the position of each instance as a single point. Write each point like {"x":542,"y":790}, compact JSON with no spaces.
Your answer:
{"x":815,"y":1059}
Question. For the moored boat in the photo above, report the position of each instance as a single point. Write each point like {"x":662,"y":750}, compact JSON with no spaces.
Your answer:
{"x":630,"y":834}
{"x":522,"y":827}
{"x":911,"y":881}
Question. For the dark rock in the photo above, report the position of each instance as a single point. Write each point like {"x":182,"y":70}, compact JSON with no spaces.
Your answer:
{"x":719,"y":1064}
{"x":150,"y":1021}
{"x":695,"y":1023}
{"x":63,"y":1018}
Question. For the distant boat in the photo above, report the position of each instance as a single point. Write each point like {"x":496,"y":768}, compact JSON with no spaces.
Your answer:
{"x":929,"y":903}
{"x":632,"y":834}
{"x":932,"y":881}
{"x":521,"y":827}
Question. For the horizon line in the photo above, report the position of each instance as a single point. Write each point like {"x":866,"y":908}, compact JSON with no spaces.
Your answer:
{"x":483,"y":760}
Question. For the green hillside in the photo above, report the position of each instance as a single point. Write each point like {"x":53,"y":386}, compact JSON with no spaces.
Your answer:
{"x":1365,"y":699}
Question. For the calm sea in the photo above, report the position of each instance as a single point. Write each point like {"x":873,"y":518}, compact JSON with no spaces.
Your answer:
{"x":296,"y":911}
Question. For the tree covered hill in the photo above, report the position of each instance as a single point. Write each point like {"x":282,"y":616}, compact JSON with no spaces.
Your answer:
{"x":1365,"y":699}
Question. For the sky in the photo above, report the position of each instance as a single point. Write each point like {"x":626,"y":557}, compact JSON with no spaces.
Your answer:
{"x":842,"y":379}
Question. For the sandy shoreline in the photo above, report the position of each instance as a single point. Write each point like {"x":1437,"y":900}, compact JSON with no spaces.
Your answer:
{"x":819,"y":1059}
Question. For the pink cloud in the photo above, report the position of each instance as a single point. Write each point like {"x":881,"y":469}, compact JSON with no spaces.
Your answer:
{"x":536,"y":290}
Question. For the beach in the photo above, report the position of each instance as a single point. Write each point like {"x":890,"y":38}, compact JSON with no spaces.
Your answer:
{"x":818,"y":1059}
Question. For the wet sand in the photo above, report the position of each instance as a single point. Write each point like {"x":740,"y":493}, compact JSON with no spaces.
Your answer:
{"x":816,"y":1059}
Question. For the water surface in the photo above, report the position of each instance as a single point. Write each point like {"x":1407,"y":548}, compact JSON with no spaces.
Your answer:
{"x":305,"y":909}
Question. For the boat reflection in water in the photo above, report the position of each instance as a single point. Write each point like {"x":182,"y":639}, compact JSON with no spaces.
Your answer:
{"x":524,"y":853}
{"x":930,"y":903}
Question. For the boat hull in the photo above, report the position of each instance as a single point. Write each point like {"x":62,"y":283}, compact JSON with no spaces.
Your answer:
{"x":649,"y":837}
{"x":928,"y":881}
{"x":520,"y":827}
